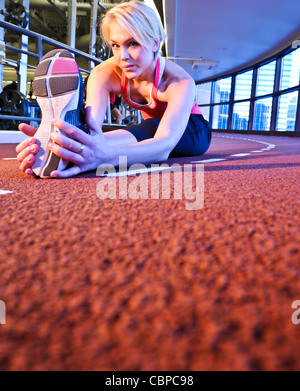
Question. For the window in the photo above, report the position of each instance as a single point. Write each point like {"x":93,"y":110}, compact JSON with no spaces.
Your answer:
{"x":240,"y":116}
{"x":275,"y":92}
{"x":220,"y":116}
{"x":222,"y":90}
{"x":290,"y":73}
{"x":243,"y":85}
{"x":205,"y":110}
{"x":287,"y":109}
{"x":262,"y":114}
{"x":203,"y":93}
{"x":265,"y":79}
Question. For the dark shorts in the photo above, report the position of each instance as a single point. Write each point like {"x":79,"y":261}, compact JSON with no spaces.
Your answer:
{"x":194,"y":141}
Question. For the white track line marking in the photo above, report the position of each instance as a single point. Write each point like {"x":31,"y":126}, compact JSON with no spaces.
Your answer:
{"x":134,"y":172}
{"x":267,"y":148}
{"x":3,"y":192}
{"x":9,"y":158}
{"x":209,"y":161}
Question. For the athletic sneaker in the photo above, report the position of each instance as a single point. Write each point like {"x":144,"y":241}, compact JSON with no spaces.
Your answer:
{"x":59,"y":90}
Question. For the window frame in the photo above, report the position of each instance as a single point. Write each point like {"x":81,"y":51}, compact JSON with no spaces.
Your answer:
{"x":278,"y":58}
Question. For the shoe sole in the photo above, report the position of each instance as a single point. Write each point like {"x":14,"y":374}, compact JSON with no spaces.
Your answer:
{"x":56,"y":85}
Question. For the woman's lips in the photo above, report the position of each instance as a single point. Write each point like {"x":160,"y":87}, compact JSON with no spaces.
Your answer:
{"x":127,"y":67}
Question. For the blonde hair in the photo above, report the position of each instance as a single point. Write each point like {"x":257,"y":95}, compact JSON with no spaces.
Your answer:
{"x":139,"y":20}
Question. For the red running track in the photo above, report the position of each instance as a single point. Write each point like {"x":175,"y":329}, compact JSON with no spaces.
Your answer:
{"x":124,"y":284}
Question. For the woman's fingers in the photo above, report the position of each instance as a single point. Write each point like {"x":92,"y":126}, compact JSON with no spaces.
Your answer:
{"x":78,"y":134}
{"x":75,"y":170}
{"x":72,"y":131}
{"x":26,"y":149}
{"x":27,"y":129}
{"x":26,"y":143}
{"x":66,"y":154}
{"x":29,"y":171}
{"x":67,"y":142}
{"x":27,"y":163}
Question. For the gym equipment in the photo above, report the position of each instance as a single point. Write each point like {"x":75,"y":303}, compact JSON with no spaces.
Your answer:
{"x":129,"y":120}
{"x":14,"y":103}
{"x":16,"y":14}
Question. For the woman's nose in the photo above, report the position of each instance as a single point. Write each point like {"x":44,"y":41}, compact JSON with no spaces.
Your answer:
{"x":124,"y":53}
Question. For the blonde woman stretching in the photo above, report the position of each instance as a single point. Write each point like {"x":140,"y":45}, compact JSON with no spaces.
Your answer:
{"x":160,"y":89}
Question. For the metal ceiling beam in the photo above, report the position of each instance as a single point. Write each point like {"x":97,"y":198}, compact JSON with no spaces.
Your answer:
{"x":71,"y":32}
{"x":93,"y":30}
{"x":23,"y":58}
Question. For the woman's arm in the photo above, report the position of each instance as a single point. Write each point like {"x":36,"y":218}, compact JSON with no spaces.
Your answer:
{"x":102,"y":81}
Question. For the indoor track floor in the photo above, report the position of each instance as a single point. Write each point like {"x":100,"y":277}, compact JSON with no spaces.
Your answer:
{"x":145,"y":284}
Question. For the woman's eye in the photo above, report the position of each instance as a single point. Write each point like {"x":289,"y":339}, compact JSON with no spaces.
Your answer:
{"x":133,"y":43}
{"x":115,"y":46}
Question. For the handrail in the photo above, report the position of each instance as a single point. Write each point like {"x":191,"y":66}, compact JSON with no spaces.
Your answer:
{"x":43,"y":38}
{"x":19,"y":118}
{"x":40,"y":39}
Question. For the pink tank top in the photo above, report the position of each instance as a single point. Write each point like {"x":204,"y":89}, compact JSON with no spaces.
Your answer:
{"x":156,"y":108}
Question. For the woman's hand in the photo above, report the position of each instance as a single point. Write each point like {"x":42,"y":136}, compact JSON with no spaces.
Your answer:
{"x":86,"y":151}
{"x":27,"y":149}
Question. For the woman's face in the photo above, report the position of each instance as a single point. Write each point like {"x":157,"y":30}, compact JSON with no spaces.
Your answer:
{"x":135,"y":60}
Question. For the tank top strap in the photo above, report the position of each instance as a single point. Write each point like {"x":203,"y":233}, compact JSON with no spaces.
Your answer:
{"x":124,"y":85}
{"x":160,"y":67}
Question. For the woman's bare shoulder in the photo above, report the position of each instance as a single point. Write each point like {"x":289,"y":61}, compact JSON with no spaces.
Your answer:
{"x":107,"y":72}
{"x":106,"y":67}
{"x":174,"y":77}
{"x":174,"y":72}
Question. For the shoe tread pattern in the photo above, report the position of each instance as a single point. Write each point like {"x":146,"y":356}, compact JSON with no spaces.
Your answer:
{"x":51,"y":165}
{"x":57,"y":78}
{"x":56,"y":63}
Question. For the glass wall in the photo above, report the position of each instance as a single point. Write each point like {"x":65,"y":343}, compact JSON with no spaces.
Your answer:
{"x":262,"y":114}
{"x":265,"y":79}
{"x":203,"y":97}
{"x":263,"y":98}
{"x":240,"y":116}
{"x":203,"y":93}
{"x":221,"y":95}
{"x":220,"y":116}
{"x":222,"y":90}
{"x":243,"y":85}
{"x":287,"y":108}
{"x":290,"y":73}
